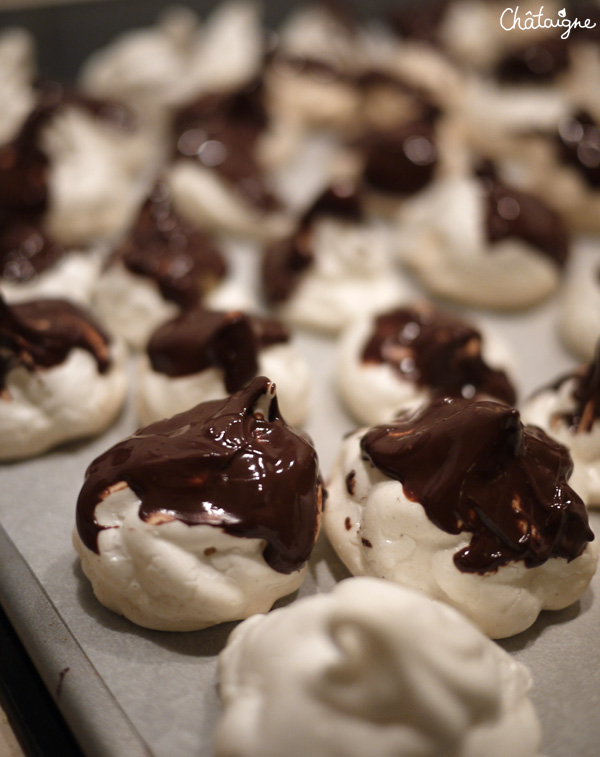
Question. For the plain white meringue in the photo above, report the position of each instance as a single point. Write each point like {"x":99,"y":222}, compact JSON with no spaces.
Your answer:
{"x":374,"y":669}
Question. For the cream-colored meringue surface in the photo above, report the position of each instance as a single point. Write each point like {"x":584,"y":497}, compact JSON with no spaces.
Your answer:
{"x":351,"y":274}
{"x":371,"y":668}
{"x":49,"y":406}
{"x":160,"y":396}
{"x":17,"y":71}
{"x":377,"y":531}
{"x":174,"y":577}
{"x":441,"y":238}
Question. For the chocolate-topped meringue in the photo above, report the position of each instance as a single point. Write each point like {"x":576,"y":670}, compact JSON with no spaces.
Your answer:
{"x":230,"y":485}
{"x":460,"y":500}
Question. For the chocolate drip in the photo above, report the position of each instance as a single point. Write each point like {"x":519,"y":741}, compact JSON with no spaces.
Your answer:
{"x":42,"y":333}
{"x":182,"y":260}
{"x":24,"y":166}
{"x":539,"y":62}
{"x":475,"y":468}
{"x":585,"y":395}
{"x":201,"y":339}
{"x":433,"y":349}
{"x":286,"y":261}
{"x":401,"y":161}
{"x":221,"y":131}
{"x":26,"y":251}
{"x":232,"y":464}
{"x":579,"y":146}
{"x":511,"y":213}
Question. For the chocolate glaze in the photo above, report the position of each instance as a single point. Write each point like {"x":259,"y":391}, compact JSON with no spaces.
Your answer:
{"x":24,"y":166}
{"x":539,"y":62}
{"x":182,"y":260}
{"x":401,"y":161}
{"x":433,"y":349}
{"x":475,"y":468}
{"x":201,"y":339}
{"x":579,"y":146}
{"x":26,"y":250}
{"x":221,"y":131}
{"x":233,"y":464}
{"x":512,"y":213}
{"x":41,"y":334}
{"x":286,"y":261}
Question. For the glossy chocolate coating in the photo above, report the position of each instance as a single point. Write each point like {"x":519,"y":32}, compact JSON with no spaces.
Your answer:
{"x":183,"y":261}
{"x":41,"y":334}
{"x":26,"y":250}
{"x":435,"y":350}
{"x":515,"y":214}
{"x":579,"y":146}
{"x":233,"y":464}
{"x":221,"y":131}
{"x":540,"y":62}
{"x":401,"y":161}
{"x":475,"y":468}
{"x":201,"y":339}
{"x":286,"y":261}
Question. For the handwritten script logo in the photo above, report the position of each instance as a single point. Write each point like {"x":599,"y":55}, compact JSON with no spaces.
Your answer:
{"x":512,"y":19}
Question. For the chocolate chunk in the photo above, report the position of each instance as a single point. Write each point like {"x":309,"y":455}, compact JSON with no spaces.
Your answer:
{"x":579,"y":146}
{"x":475,"y":468}
{"x":201,"y":339}
{"x":41,"y":334}
{"x":515,"y":214}
{"x":436,"y":350}
{"x":183,"y":261}
{"x":233,"y":464}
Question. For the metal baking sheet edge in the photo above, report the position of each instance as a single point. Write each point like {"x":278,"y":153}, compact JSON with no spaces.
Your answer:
{"x":67,"y":672}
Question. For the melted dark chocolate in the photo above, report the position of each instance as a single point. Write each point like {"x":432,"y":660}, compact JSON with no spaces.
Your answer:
{"x":539,"y":62}
{"x":182,"y":260}
{"x":586,"y":396}
{"x":436,"y":350}
{"x":201,"y":339}
{"x":401,"y":161}
{"x":226,"y":464}
{"x":26,"y":251}
{"x":512,"y":213}
{"x":475,"y":468}
{"x":579,"y":146}
{"x":221,"y":131}
{"x":286,"y":261}
{"x":42,"y":333}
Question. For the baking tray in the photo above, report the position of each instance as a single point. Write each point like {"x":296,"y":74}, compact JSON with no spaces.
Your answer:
{"x":124,"y":690}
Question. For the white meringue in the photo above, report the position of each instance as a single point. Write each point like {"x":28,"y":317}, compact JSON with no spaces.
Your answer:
{"x":371,"y":668}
